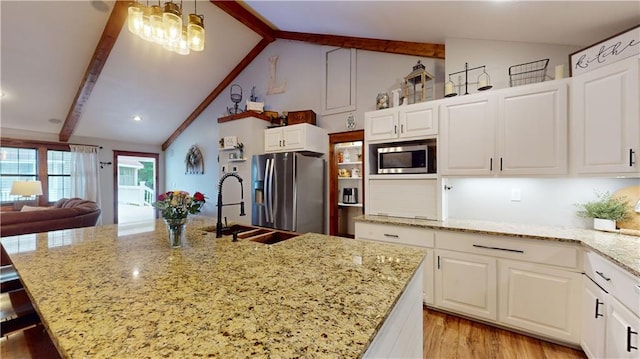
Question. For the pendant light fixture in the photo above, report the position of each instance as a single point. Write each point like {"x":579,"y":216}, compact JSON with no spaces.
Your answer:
{"x":195,"y":29}
{"x":134,"y":17}
{"x":164,"y":26}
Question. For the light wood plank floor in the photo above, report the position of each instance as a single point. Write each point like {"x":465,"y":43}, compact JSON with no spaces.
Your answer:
{"x":449,"y":337}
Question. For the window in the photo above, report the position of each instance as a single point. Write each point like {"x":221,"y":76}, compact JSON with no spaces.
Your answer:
{"x":17,"y":164}
{"x":22,"y":160}
{"x":59,"y":174}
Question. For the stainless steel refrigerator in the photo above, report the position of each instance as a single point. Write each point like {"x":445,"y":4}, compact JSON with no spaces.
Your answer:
{"x":288,"y":192}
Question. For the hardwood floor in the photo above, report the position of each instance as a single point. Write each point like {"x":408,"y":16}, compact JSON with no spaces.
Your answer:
{"x":449,"y":337}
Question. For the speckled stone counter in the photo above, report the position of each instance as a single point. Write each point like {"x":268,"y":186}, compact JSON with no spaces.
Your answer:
{"x":621,"y":249}
{"x":102,"y":295}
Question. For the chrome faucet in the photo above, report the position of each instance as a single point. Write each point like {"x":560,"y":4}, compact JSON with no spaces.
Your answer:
{"x":220,"y":204}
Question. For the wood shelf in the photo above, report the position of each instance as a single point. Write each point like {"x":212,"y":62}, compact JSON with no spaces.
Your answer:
{"x":237,"y":159}
{"x":349,"y":163}
{"x":349,"y":178}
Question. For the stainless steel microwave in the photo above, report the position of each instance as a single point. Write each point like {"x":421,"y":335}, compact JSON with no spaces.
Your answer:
{"x":406,"y":159}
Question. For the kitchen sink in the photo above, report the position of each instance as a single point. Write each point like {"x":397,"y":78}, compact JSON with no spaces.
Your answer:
{"x":255,"y":234}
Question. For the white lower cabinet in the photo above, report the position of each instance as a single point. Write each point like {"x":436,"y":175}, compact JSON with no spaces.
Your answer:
{"x":593,"y":319}
{"x":530,"y":285}
{"x":416,"y":237}
{"x":622,"y":332}
{"x":539,"y":299}
{"x":610,"y":310}
{"x":466,"y":283}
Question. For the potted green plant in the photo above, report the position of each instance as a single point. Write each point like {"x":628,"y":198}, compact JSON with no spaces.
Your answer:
{"x":605,"y":211}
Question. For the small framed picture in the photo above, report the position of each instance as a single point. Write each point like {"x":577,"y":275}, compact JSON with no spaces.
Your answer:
{"x":233,"y":156}
{"x":230,"y":141}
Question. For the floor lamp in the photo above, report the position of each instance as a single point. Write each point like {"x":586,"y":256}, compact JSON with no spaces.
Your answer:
{"x":26,"y":190}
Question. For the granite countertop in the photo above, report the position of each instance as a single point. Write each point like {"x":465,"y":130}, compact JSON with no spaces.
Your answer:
{"x":621,"y":249}
{"x":105,"y":295}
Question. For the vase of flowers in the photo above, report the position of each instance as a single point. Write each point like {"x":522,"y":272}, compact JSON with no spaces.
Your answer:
{"x":175,"y":206}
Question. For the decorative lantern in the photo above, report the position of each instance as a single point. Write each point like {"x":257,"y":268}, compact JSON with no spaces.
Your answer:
{"x":418,"y":85}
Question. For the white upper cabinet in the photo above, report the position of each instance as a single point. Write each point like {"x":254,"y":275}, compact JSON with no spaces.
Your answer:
{"x":402,"y":123}
{"x":605,"y":119}
{"x":516,"y":131}
{"x":532,"y":129}
{"x":467,"y":135}
{"x":300,"y":137}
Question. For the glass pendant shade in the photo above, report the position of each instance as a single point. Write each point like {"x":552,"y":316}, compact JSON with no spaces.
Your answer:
{"x":172,"y":19}
{"x":147,"y":30}
{"x":134,"y":18}
{"x":195,"y":32}
{"x":183,"y":43}
{"x":157,"y":25}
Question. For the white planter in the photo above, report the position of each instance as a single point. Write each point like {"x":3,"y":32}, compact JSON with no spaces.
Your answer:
{"x":604,"y":224}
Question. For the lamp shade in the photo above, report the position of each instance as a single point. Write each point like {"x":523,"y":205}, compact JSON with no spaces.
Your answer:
{"x":26,"y":188}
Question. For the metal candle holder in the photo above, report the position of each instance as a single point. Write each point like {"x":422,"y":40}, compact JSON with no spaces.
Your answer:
{"x":485,"y":83}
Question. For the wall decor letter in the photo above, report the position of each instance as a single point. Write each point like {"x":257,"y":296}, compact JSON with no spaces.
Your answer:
{"x":272,"y":87}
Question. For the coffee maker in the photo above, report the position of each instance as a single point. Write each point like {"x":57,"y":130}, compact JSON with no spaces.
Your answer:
{"x":350,"y":195}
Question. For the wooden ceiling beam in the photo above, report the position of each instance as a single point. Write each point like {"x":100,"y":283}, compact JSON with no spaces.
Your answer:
{"x":221,"y":86}
{"x":100,"y":55}
{"x":361,"y":43}
{"x":238,"y":12}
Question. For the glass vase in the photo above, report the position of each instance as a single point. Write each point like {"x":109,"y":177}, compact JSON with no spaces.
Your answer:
{"x":177,"y":228}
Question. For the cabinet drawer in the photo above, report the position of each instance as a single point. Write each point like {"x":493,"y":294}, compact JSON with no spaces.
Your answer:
{"x":614,"y":280}
{"x":544,"y":252}
{"x":395,"y":234}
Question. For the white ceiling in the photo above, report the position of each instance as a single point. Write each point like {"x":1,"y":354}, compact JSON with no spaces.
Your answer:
{"x":43,"y":62}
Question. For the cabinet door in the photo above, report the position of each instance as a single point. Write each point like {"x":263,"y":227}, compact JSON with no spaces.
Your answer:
{"x":411,"y":198}
{"x":622,"y":331}
{"x":532,"y":129}
{"x":467,"y":133}
{"x":593,"y":319}
{"x":381,"y":125}
{"x":273,"y":140}
{"x":606,"y":119}
{"x":540,"y":299}
{"x":466,"y":283}
{"x":293,"y":137}
{"x":418,"y":120}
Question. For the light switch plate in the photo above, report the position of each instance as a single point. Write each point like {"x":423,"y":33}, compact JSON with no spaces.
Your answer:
{"x":515,"y":195}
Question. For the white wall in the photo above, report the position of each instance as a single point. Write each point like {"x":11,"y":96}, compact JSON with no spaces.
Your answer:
{"x":106,"y":155}
{"x":498,"y":56}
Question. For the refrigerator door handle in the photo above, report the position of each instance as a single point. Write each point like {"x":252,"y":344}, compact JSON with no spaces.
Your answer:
{"x":267,"y":192}
{"x":274,"y":193}
{"x":271,"y":194}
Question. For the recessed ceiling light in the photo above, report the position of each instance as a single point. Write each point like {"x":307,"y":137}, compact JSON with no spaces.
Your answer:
{"x":137,"y":118}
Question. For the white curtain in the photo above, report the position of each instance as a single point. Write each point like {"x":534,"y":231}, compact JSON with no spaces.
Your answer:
{"x":85,"y":179}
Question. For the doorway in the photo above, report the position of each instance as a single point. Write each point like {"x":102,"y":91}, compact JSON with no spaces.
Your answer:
{"x":346,"y":185}
{"x":135,"y":179}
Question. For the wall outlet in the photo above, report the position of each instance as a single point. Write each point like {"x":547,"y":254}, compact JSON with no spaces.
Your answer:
{"x":515,"y":195}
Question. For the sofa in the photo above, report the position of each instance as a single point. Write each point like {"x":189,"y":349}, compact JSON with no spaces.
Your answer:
{"x":65,"y":213}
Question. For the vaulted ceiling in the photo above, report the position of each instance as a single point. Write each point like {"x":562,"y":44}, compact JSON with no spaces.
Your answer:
{"x":75,"y":70}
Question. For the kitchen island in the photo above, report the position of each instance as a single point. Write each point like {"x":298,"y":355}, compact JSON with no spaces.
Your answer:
{"x":105,"y":295}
